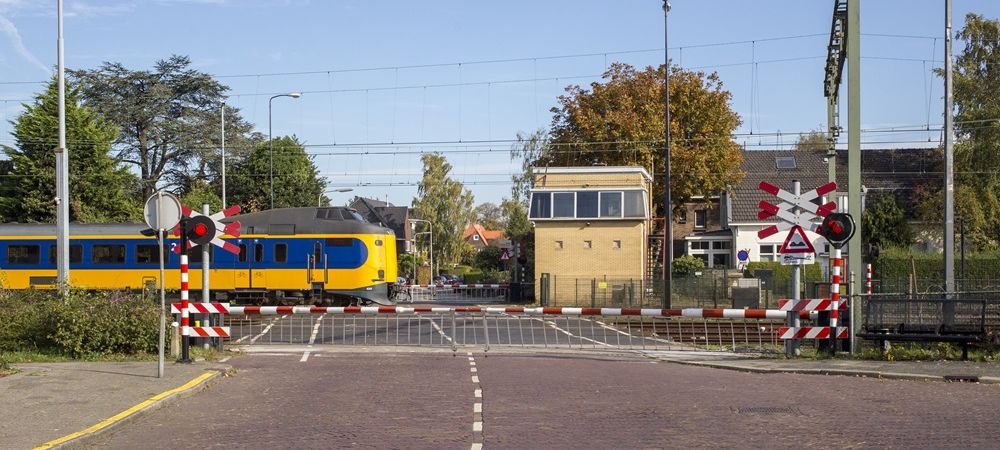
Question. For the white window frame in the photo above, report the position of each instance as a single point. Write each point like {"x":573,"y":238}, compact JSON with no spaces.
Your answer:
{"x":620,"y":192}
{"x":552,"y":210}
{"x":711,"y":251}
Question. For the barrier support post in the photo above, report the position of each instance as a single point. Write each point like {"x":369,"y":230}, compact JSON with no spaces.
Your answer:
{"x":185,"y":339}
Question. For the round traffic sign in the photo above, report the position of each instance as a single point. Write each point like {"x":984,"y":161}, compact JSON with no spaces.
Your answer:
{"x":163,"y":211}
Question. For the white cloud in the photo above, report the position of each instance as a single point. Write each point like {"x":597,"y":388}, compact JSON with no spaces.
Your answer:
{"x":84,"y":9}
{"x":14,"y":37}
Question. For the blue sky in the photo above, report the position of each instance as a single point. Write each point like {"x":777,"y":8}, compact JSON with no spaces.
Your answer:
{"x":464,"y":77}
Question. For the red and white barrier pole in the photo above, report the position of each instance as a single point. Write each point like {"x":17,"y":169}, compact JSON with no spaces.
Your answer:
{"x":868,"y":281}
{"x":835,"y":296}
{"x":185,"y":342}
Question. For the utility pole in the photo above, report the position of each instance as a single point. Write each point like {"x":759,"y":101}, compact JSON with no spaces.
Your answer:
{"x":854,"y":153}
{"x":62,"y":171}
{"x":668,"y":229}
{"x":949,"y":160}
{"x":223,"y":119}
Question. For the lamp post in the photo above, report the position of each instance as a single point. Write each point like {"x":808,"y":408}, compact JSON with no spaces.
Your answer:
{"x":270,"y":140}
{"x":668,"y":247}
{"x":319,"y":198}
{"x":431,"y":225}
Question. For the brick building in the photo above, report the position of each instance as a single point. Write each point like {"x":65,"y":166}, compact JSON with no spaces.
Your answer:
{"x":590,"y":223}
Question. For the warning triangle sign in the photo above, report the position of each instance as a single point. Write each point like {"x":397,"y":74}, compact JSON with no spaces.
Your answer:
{"x":504,"y":255}
{"x":797,"y":242}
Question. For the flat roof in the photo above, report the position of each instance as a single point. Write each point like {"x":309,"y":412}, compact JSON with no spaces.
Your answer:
{"x":592,"y":169}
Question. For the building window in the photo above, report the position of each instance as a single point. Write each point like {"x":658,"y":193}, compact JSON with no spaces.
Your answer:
{"x":701,"y":218}
{"x":563,"y":205}
{"x":588,"y":244}
{"x":541,"y":205}
{"x":108,"y":254}
{"x":475,"y":237}
{"x":682,"y":216}
{"x":634,"y":205}
{"x":616,"y":244}
{"x":768,"y":253}
{"x":586,"y":204}
{"x":23,"y":254}
{"x":559,"y":245}
{"x":714,"y":253}
{"x":611,"y":204}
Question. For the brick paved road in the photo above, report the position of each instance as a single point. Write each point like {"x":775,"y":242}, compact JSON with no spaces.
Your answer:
{"x":424,"y":400}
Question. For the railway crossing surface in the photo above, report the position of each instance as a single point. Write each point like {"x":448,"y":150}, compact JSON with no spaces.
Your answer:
{"x":431,"y":398}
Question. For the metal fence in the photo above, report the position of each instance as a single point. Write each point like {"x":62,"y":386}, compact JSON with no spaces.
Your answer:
{"x":710,"y":289}
{"x":486,"y":330}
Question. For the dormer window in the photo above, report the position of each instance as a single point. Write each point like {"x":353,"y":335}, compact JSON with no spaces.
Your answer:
{"x":784,"y":162}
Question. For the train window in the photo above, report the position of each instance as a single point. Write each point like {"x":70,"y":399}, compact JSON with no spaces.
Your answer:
{"x":146,"y":254}
{"x":194,"y":254}
{"x":75,"y":254}
{"x":280,"y":253}
{"x":23,"y":254}
{"x":339,"y":242}
{"x":317,"y":253}
{"x":108,"y":254}
{"x":378,"y":242}
{"x":258,"y":252}
{"x":243,"y":253}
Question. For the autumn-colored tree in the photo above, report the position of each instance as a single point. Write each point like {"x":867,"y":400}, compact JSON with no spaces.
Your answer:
{"x":811,"y":141}
{"x":619,"y":121}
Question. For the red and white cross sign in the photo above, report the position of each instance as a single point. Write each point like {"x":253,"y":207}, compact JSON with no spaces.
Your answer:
{"x":786,"y":209}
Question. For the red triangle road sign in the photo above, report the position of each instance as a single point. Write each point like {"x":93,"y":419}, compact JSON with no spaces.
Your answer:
{"x":797,"y":242}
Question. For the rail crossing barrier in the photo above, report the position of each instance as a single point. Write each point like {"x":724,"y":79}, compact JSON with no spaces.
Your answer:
{"x":506,"y":326}
{"x":453,"y":293}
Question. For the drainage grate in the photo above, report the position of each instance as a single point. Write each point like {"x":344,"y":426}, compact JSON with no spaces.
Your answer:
{"x":765,"y":410}
{"x":962,"y":378}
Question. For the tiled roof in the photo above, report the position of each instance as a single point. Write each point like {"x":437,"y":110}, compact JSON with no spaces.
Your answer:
{"x":487,"y":235}
{"x":882,"y":171}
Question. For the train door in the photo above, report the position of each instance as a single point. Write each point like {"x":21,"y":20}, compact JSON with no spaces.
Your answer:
{"x":249,"y":271}
{"x":317,"y":265}
{"x":379,"y":256}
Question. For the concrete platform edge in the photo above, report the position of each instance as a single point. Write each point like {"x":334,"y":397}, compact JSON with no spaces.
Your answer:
{"x":152,"y":406}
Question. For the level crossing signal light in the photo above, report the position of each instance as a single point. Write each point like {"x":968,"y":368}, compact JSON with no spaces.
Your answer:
{"x":200,"y":230}
{"x":837,"y":228}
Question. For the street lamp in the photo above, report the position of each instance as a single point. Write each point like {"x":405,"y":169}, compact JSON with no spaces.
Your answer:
{"x":319,"y":198}
{"x":668,"y":228}
{"x":270,"y":141}
{"x":431,"y":225}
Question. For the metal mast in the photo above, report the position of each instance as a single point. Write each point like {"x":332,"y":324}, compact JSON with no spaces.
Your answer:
{"x":949,"y":160}
{"x":835,"y":56}
{"x":62,"y":170}
{"x":854,"y":153}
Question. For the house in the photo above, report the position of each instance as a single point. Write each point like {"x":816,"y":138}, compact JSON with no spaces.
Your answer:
{"x":590,"y":223}
{"x":480,"y":238}
{"x":389,"y":216}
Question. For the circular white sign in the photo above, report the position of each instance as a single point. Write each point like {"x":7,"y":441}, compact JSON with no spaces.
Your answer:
{"x":163,"y":211}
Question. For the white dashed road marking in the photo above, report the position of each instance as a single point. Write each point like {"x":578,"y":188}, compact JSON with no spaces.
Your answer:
{"x":312,"y":337}
{"x":477,"y":407}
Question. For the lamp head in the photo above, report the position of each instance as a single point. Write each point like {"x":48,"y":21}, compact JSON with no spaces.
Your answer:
{"x":295,"y":94}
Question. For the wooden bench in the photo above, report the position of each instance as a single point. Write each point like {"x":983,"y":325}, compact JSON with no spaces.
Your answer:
{"x":925,"y":320}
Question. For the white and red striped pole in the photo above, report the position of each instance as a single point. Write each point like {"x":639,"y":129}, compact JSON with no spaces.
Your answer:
{"x":185,"y":342}
{"x":868,"y":281}
{"x":835,"y":297}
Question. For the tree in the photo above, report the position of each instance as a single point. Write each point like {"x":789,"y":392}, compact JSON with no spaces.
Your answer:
{"x":977,"y":162}
{"x":201,"y":193}
{"x":100,"y":189}
{"x":447,"y":204}
{"x":488,"y":259}
{"x":515,"y":215}
{"x":490,"y":216}
{"x":884,"y":224}
{"x":169,"y":119}
{"x":620,"y":122}
{"x":296,"y":179}
{"x":813,"y":140}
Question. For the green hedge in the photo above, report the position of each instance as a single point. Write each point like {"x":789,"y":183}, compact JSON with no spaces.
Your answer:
{"x":105,"y":323}
{"x":893,"y":264}
{"x":783,"y":275}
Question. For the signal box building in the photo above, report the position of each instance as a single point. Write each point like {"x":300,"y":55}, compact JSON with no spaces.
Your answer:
{"x":591,"y":228}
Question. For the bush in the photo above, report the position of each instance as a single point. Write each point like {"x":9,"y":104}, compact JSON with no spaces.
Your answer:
{"x":782,"y":280}
{"x":687,"y":265}
{"x":82,"y":324}
{"x":488,"y":259}
{"x":894,"y":263}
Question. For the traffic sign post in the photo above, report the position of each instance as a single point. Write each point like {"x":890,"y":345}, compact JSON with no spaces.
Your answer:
{"x":162,"y":212}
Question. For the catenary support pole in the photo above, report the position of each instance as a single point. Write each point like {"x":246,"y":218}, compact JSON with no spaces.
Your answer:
{"x":949,"y":160}
{"x":62,"y":169}
{"x":668,"y":238}
{"x":223,"y":120}
{"x":854,"y":144}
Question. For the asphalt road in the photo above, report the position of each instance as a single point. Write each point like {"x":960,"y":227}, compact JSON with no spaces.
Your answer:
{"x":371,"y":398}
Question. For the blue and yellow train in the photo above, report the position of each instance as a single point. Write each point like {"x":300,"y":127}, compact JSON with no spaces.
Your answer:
{"x":287,"y":256}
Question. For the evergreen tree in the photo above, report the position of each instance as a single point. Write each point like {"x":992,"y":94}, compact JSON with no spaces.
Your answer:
{"x":101,"y":190}
{"x":447,"y":204}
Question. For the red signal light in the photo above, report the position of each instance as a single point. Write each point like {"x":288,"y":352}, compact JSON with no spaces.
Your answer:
{"x":200,"y":229}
